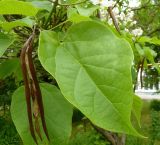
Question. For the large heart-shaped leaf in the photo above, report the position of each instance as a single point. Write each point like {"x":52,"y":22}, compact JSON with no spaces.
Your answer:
{"x":5,"y":41}
{"x":58,"y":115}
{"x":93,"y":70}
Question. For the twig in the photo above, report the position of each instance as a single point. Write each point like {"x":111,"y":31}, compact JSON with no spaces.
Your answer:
{"x":106,"y":134}
{"x":114,"y":19}
{"x":59,"y":25}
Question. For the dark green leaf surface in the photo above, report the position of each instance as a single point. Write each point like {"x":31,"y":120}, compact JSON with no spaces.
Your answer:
{"x":8,"y":67}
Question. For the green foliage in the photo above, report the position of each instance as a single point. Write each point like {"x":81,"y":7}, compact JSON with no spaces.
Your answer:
{"x":7,"y":26}
{"x":79,"y":62}
{"x":8,"y":133}
{"x":91,"y":66}
{"x":58,"y":114}
{"x":74,"y":17}
{"x":88,"y":138}
{"x":134,"y":141}
{"x":5,"y":41}
{"x":153,"y":40}
{"x":7,"y":87}
{"x":48,"y":43}
{"x":42,"y":5}
{"x":86,"y":11}
{"x":17,"y":7}
{"x":155,"y":126}
{"x":9,"y":67}
{"x":155,"y":105}
{"x":137,"y":107}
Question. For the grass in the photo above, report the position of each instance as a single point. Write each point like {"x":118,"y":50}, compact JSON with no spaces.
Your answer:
{"x":146,"y":128}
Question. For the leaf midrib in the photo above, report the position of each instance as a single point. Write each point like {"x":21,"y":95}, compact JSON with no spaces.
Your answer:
{"x":97,"y":87}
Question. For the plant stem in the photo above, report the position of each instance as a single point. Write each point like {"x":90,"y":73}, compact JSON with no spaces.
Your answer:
{"x":51,"y":13}
{"x":59,"y":24}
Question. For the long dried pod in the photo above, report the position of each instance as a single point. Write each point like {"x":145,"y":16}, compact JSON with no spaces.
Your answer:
{"x":37,"y":90}
{"x":26,"y":84}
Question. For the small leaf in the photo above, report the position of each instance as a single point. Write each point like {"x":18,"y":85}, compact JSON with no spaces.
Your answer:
{"x":58,"y":115}
{"x":5,"y":41}
{"x":140,"y":50}
{"x":7,"y":26}
{"x":17,"y":7}
{"x":137,"y":107}
{"x":74,"y":17}
{"x":153,"y":40}
{"x":150,"y":54}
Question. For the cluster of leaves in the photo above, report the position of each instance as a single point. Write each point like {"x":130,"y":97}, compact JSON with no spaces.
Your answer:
{"x":89,"y":61}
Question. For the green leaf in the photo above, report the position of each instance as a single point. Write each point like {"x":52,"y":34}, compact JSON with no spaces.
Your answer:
{"x":74,"y":17}
{"x":86,"y":11}
{"x":8,"y":67}
{"x":43,"y":5}
{"x":140,"y":50}
{"x":153,"y":40}
{"x":90,"y":76}
{"x":58,"y":115}
{"x":48,"y":44}
{"x":5,"y":41}
{"x":7,"y":26}
{"x":17,"y":7}
{"x":150,"y":54}
{"x":137,"y":107}
{"x":78,"y":18}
